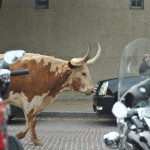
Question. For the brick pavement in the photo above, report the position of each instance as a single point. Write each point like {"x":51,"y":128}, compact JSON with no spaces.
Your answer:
{"x":66,"y":133}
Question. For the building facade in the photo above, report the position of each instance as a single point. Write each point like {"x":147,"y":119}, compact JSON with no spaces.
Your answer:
{"x":65,"y":28}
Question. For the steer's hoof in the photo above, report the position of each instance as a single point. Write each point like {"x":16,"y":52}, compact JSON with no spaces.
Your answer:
{"x":20,"y":135}
{"x":37,"y":142}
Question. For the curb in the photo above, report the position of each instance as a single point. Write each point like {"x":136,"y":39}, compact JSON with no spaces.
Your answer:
{"x":73,"y":115}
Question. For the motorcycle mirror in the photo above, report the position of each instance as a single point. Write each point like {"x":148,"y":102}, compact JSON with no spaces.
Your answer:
{"x":11,"y":56}
{"x":119,"y":110}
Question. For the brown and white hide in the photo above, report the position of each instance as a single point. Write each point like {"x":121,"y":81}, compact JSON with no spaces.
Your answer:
{"x":48,"y":76}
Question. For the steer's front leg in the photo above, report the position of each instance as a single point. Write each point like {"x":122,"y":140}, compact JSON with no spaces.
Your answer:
{"x":32,"y":124}
{"x":22,"y":133}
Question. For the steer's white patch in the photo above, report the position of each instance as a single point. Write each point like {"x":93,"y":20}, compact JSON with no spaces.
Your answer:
{"x":34,"y":104}
{"x":47,"y":59}
{"x":20,"y":100}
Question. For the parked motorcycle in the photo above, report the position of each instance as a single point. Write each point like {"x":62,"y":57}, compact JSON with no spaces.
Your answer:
{"x":132,"y":110}
{"x":7,"y":141}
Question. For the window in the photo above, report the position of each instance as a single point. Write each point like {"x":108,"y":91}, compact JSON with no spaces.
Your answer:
{"x":0,"y":4}
{"x":136,"y":4}
{"x":41,"y":4}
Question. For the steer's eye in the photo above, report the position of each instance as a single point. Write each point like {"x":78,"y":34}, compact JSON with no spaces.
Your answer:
{"x":84,"y":74}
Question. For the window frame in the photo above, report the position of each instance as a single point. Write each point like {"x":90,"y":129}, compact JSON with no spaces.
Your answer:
{"x":136,"y":7}
{"x":41,"y":4}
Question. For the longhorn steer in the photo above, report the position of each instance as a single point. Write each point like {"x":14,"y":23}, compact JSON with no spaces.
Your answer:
{"x":48,"y":76}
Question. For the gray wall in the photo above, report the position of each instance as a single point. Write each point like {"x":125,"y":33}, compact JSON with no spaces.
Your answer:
{"x":65,"y":29}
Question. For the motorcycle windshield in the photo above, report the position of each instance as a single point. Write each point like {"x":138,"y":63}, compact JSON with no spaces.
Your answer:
{"x":134,"y":65}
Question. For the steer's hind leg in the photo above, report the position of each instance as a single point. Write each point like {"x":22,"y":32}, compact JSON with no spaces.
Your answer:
{"x":32,"y":123}
{"x":22,"y":133}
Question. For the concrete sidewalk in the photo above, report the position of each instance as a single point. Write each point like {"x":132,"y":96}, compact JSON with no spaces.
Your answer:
{"x":70,"y":108}
{"x":60,"y":105}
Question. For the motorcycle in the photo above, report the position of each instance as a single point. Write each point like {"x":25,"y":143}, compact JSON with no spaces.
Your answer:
{"x":7,"y":141}
{"x":132,"y":110}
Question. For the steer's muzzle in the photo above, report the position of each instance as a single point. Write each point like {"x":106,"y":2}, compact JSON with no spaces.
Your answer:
{"x":90,"y":91}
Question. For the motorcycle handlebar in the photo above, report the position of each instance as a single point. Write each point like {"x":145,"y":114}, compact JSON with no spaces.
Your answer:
{"x":19,"y":72}
{"x":131,"y":113}
{"x":137,"y":123}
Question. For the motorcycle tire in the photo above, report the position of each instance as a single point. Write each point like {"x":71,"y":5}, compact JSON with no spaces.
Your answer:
{"x":14,"y":143}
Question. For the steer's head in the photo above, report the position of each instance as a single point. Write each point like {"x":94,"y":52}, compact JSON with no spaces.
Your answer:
{"x":80,"y":79}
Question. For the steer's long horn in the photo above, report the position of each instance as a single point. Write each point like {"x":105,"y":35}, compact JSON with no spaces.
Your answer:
{"x":80,"y":61}
{"x":91,"y":61}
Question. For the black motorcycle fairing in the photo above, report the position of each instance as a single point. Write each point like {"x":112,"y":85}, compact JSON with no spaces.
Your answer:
{"x":138,"y":95}
{"x":139,"y":140}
